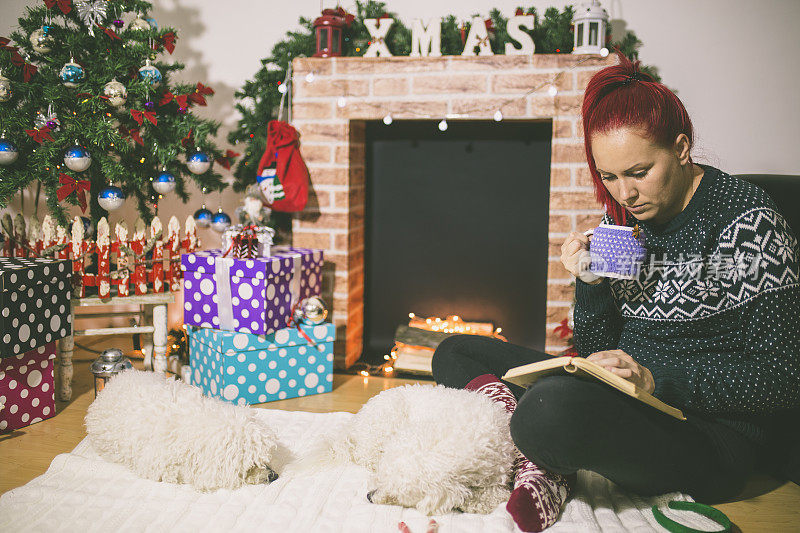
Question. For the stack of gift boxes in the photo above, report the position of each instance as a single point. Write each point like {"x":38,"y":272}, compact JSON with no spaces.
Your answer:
{"x":34,"y":313}
{"x":247,"y":343}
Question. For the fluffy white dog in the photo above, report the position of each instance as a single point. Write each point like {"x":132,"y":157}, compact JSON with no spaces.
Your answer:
{"x":166,"y":430}
{"x":431,"y":447}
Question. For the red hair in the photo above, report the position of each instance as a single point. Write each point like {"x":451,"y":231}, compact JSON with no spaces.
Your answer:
{"x":622,"y":95}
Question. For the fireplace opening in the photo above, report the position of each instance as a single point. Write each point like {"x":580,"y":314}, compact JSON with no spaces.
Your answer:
{"x":456,"y":224}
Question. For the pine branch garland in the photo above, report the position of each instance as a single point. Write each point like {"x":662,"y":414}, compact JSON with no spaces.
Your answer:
{"x":258,"y":99}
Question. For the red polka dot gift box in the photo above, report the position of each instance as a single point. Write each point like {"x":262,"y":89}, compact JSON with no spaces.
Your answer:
{"x":243,"y":368}
{"x":248,"y":295}
{"x":27,"y":393}
{"x":34,"y":303}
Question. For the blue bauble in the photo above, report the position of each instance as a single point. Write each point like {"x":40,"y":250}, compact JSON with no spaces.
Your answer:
{"x":220,"y":222}
{"x":77,"y":158}
{"x":164,"y":183}
{"x":152,"y":22}
{"x":71,"y":74}
{"x":8,"y":152}
{"x":151,"y":75}
{"x":198,"y":162}
{"x":111,"y":198}
{"x":203,"y":217}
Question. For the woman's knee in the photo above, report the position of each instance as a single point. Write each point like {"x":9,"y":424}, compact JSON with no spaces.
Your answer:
{"x":548,"y":425}
{"x":444,"y":358}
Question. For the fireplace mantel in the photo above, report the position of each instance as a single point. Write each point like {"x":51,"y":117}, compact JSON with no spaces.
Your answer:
{"x":330,"y":107}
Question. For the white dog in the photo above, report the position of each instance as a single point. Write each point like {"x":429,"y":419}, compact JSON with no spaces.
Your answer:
{"x":166,"y":430}
{"x":431,"y":447}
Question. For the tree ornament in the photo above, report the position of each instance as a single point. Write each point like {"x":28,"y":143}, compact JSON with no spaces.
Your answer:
{"x":5,"y":88}
{"x":182,"y":110}
{"x":310,"y":311}
{"x":139,"y":24}
{"x":203,"y":217}
{"x":77,"y":158}
{"x":149,"y":106}
{"x":71,"y":73}
{"x":111,"y":198}
{"x":118,"y":23}
{"x":152,"y":22}
{"x":8,"y":151}
{"x":41,"y":40}
{"x":116,"y":92}
{"x":91,"y":12}
{"x":150,"y":74}
{"x":50,"y":119}
{"x":220,"y":222}
{"x":164,"y":183}
{"x":198,"y":162}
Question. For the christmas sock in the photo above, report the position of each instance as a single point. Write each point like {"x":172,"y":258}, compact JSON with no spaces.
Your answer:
{"x":538,"y":495}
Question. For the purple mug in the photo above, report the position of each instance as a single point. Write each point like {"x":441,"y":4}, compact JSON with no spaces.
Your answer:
{"x":615,"y":252}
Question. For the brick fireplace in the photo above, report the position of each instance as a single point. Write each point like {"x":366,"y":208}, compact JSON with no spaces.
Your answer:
{"x":333,"y":145}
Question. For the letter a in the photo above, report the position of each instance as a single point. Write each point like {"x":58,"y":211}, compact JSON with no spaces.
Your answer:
{"x":478,"y":36}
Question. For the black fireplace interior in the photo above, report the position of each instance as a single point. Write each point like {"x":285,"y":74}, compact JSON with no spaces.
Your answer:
{"x":456,"y":224}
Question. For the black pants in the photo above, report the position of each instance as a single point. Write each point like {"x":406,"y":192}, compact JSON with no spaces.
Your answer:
{"x":566,"y":423}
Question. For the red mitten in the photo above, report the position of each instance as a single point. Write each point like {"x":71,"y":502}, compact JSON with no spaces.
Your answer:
{"x":283,"y":153}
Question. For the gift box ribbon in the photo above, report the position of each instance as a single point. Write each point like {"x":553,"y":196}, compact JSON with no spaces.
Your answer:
{"x":222,"y":269}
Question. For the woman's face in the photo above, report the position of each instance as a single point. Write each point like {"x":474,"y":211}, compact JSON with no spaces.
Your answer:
{"x":648,"y":180}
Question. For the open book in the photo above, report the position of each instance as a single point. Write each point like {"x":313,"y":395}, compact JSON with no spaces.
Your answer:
{"x":526,"y":374}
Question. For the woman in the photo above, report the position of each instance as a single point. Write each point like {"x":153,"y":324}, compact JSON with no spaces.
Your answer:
{"x":710,"y":326}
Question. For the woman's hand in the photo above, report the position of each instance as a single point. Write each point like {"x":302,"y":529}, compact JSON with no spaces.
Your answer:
{"x":575,"y":257}
{"x":623,"y":365}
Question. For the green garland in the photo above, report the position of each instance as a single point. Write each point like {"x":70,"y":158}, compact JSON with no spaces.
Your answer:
{"x":258,"y":99}
{"x":89,"y":118}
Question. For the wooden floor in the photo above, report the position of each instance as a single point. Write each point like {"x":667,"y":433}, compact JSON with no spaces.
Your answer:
{"x":766,"y":506}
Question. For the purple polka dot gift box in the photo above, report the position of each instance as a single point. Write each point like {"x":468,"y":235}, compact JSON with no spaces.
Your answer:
{"x":34,"y":303}
{"x":248,"y":295}
{"x":27,"y":392}
{"x":243,"y":368}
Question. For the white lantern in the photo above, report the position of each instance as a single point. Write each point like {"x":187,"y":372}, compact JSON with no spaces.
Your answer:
{"x":591,"y":21}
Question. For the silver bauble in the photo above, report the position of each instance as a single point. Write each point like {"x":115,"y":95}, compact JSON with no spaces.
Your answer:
{"x":139,"y":24}
{"x":311,"y":310}
{"x":116,"y":92}
{"x":41,"y":40}
{"x":111,"y":198}
{"x":5,"y":88}
{"x":77,"y":158}
{"x":71,"y":74}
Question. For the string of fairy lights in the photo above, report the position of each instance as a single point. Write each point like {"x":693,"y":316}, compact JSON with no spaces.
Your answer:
{"x":342,"y":101}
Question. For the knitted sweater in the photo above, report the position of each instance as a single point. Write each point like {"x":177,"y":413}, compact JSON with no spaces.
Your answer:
{"x":715,"y":313}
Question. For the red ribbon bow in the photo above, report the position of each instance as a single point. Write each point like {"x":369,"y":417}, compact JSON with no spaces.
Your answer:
{"x":40,"y":135}
{"x":181,"y":99}
{"x":28,"y":71}
{"x":139,"y":116}
{"x":64,"y":5}
{"x":133,"y":134}
{"x":564,"y":330}
{"x":225,"y":160}
{"x":169,"y":41}
{"x":108,"y":31}
{"x":197,"y":96}
{"x":70,"y":185}
{"x":187,"y":140}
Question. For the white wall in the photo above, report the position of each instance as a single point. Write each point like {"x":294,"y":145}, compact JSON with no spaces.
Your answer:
{"x":734,"y":63}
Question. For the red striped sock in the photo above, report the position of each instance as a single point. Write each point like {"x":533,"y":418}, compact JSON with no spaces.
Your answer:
{"x":538,"y":495}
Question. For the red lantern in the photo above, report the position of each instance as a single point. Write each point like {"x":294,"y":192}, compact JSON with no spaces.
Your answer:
{"x":328,"y":30}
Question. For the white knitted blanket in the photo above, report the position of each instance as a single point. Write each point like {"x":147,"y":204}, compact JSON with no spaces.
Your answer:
{"x":82,"y":492}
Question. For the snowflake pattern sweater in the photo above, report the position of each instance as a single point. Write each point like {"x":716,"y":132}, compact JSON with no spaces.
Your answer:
{"x":715,"y":312}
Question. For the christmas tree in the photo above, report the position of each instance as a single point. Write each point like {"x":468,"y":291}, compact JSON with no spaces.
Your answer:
{"x":259,"y":99}
{"x":87,"y":109}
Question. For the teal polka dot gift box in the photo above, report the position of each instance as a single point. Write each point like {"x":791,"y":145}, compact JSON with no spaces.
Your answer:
{"x":244,"y":368}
